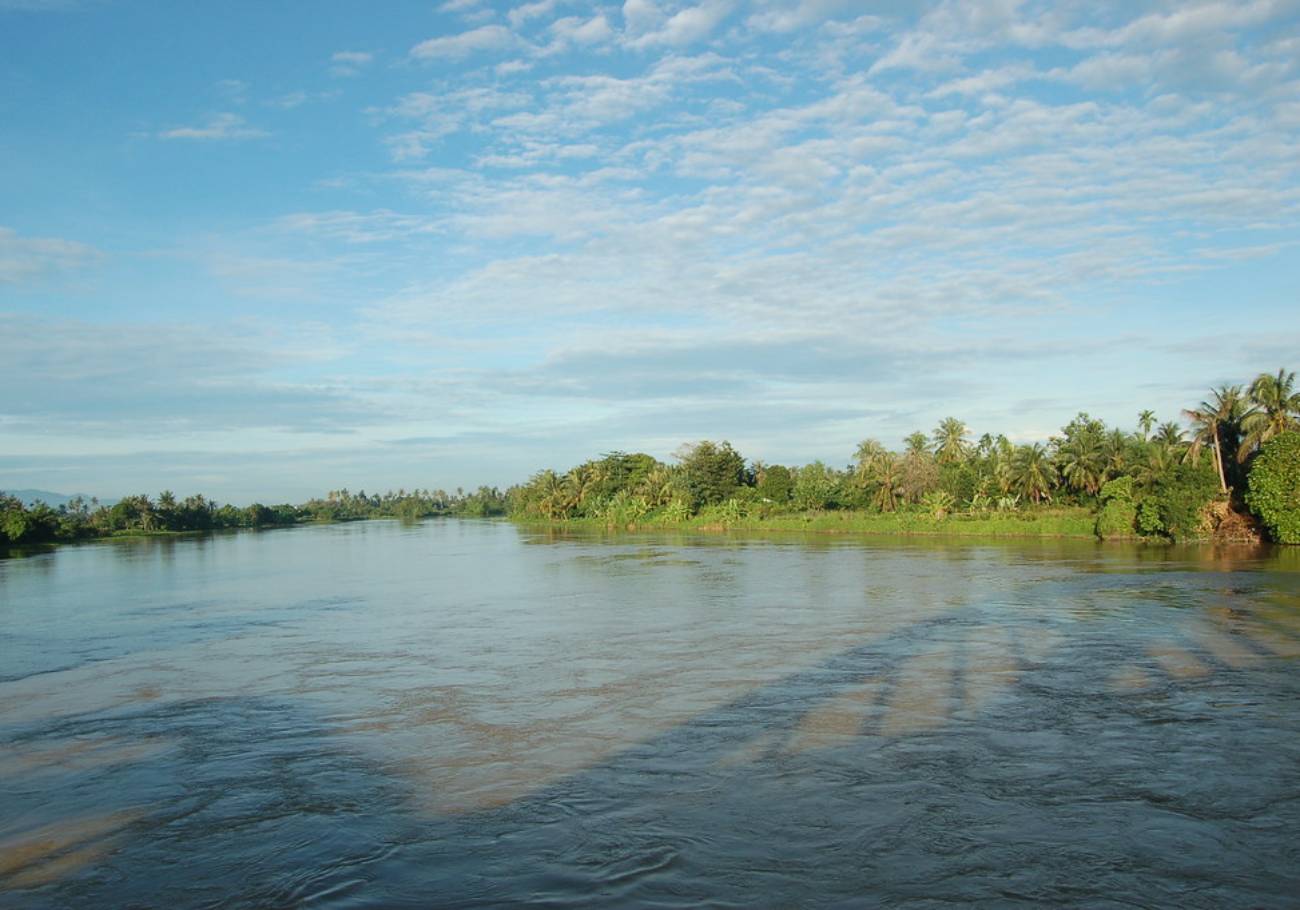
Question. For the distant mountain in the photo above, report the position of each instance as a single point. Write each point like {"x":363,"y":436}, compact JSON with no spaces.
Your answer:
{"x":49,"y":498}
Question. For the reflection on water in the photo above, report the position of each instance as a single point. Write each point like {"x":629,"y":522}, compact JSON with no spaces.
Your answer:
{"x":465,"y":714}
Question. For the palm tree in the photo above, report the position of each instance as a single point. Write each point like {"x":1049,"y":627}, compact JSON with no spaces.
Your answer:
{"x":1078,"y":454}
{"x":950,"y":440}
{"x":1159,"y":461}
{"x":1082,"y":463}
{"x":1170,"y":435}
{"x":917,"y":443}
{"x":869,"y":455}
{"x":1276,"y":410}
{"x":1116,"y":452}
{"x":1001,"y":461}
{"x":887,"y":477}
{"x":581,"y":483}
{"x":1032,"y":472}
{"x":1213,"y":421}
{"x":657,"y":487}
{"x":552,"y":500}
{"x":1146,"y":420}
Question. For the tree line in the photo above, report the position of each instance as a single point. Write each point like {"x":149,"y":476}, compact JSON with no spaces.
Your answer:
{"x":80,"y":518}
{"x":1158,"y":479}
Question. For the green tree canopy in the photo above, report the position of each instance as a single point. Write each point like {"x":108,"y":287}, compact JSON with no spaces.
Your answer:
{"x":711,"y":471}
{"x":1274,"y":487}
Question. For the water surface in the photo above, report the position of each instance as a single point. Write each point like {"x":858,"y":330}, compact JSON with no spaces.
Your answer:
{"x":466,"y":714}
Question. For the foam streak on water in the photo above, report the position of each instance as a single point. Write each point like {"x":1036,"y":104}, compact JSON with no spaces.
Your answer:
{"x":465,"y":714}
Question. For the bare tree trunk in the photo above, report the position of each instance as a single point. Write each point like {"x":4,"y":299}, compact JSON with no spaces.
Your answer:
{"x":1218,"y":461}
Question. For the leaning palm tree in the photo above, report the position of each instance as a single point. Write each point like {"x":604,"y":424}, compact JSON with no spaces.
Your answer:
{"x":1213,"y":420}
{"x":1276,"y":410}
{"x":950,"y":440}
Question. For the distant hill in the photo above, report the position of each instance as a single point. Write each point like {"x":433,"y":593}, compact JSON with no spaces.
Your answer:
{"x":50,"y":498}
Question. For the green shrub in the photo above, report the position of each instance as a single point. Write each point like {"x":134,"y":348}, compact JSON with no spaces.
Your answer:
{"x":1273,"y":487}
{"x":1117,"y":518}
{"x":938,"y":503}
{"x":1181,"y":495}
{"x":1119,"y":513}
{"x":1119,"y":489}
{"x":1148,"y":517}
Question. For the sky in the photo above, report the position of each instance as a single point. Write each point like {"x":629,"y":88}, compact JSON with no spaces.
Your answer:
{"x":265,"y":250}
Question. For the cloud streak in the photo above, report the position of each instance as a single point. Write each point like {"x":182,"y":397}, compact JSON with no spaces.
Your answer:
{"x":24,"y":259}
{"x":222,"y":127}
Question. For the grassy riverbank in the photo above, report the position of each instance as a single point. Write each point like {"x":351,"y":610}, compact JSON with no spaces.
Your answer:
{"x":1076,"y":523}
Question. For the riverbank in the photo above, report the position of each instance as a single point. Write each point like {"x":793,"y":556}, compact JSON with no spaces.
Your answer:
{"x":1073,"y":523}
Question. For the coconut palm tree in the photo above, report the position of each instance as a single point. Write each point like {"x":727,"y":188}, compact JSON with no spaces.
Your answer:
{"x":950,"y":440}
{"x":1276,"y":410}
{"x":1002,"y":463}
{"x":581,"y":484}
{"x":1159,"y":460}
{"x":1116,"y":451}
{"x":657,"y":486}
{"x":917,"y":443}
{"x":1079,"y":455}
{"x":1082,"y":463}
{"x":552,"y":499}
{"x":1032,"y":472}
{"x":1170,"y":435}
{"x":1146,"y":420}
{"x":1215,"y":423}
{"x":869,"y":455}
{"x":887,"y":476}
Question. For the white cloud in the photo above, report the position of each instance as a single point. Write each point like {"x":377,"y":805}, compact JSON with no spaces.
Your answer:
{"x":641,"y":16}
{"x":687,"y":26}
{"x":791,"y":15}
{"x":457,"y":47}
{"x":290,"y":100}
{"x":526,"y":12}
{"x":576,"y":30}
{"x":512,"y":67}
{"x":24,"y":259}
{"x":349,"y":63}
{"x":223,"y":126}
{"x":355,"y":227}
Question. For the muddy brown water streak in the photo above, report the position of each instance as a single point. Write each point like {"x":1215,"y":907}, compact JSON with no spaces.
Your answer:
{"x":468,"y":714}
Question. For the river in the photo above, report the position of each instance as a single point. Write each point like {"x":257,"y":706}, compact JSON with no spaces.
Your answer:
{"x":472,"y":714}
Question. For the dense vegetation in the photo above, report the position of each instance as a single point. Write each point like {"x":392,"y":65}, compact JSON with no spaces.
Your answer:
{"x":1157,"y":481}
{"x":1242,"y":451}
{"x":1274,"y":492}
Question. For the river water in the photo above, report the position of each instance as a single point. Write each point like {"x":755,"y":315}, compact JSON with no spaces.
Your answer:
{"x":470,"y":714}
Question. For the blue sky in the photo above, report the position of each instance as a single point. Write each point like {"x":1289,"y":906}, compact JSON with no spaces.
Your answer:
{"x":264,"y":250}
